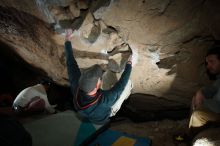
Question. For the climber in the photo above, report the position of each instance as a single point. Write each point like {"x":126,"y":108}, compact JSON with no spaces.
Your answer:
{"x":90,"y":101}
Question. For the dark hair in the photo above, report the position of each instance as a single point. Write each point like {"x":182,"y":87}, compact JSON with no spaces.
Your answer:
{"x":214,"y":51}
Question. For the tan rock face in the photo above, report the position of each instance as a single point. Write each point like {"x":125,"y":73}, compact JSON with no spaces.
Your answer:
{"x":31,"y":39}
{"x":171,"y":37}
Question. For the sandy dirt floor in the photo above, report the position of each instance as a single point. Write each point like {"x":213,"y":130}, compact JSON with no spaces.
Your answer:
{"x":160,"y":132}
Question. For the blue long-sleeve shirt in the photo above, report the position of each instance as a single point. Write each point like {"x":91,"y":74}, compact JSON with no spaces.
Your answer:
{"x":72,"y":67}
{"x":98,"y":112}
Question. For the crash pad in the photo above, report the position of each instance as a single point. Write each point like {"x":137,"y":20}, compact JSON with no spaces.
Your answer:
{"x":61,"y":129}
{"x":116,"y":138}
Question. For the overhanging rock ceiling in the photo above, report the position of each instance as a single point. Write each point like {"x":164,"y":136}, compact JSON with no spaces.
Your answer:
{"x":171,"y":37}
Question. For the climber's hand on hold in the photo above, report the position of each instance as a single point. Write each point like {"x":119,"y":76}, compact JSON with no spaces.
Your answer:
{"x":134,"y":56}
{"x":69,"y":34}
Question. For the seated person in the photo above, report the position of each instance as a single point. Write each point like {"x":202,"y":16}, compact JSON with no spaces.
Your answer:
{"x":89,"y":100}
{"x":206,"y":102}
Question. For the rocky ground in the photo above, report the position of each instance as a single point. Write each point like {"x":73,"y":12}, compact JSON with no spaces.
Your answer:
{"x":160,"y":132}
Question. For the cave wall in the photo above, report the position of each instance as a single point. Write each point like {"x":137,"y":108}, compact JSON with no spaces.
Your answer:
{"x":171,"y":36}
{"x":16,"y":74}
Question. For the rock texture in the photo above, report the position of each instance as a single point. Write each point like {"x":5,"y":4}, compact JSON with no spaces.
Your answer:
{"x":171,"y":37}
